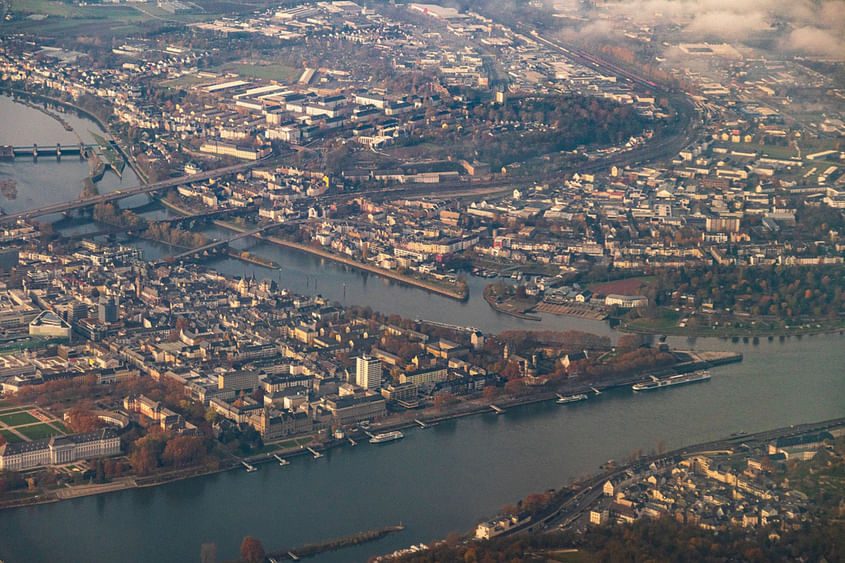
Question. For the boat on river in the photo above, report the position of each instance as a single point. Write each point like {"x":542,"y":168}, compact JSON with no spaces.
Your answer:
{"x":562,"y":400}
{"x":386,"y":437}
{"x":693,"y":377}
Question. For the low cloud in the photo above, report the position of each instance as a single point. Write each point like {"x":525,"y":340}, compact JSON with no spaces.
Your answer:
{"x":814,"y":41}
{"x":804,"y":26}
{"x":727,"y":25}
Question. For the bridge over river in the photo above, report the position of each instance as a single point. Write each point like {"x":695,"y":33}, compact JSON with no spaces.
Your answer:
{"x":214,"y":244}
{"x":9,"y":152}
{"x":120,"y":194}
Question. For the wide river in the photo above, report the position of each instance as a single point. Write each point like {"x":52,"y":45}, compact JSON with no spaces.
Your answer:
{"x":434,"y":481}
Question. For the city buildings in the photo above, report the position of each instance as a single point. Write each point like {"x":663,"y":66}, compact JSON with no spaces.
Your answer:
{"x":368,"y":372}
{"x":59,"y":450}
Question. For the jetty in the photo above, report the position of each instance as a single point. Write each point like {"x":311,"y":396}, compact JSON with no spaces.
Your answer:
{"x":249,"y":468}
{"x":282,"y":461}
{"x":315,"y":453}
{"x":334,"y":544}
{"x":497,"y":410}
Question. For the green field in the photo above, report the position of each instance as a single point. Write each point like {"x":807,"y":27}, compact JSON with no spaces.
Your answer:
{"x":100,"y":20}
{"x":294,"y":443}
{"x":17,"y":419}
{"x":270,"y":71}
{"x":185,"y":81}
{"x":38,"y":431}
{"x":10,"y":437}
{"x":11,"y":410}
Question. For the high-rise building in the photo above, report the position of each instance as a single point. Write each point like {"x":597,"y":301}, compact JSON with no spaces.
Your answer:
{"x":368,"y":372}
{"x":8,"y":259}
{"x":107,"y":310}
{"x":78,"y":311}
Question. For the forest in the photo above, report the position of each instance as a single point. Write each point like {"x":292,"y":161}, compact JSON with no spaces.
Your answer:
{"x":779,"y":292}
{"x":526,"y":128}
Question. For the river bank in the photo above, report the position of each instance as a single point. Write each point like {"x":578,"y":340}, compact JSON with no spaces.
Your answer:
{"x":553,"y":513}
{"x":85,"y":113}
{"x":395,"y":276}
{"x":334,"y":544}
{"x":425,"y":418}
{"x":504,"y":458}
{"x":120,"y":484}
{"x":699,"y":360}
{"x":510,"y":307}
{"x":422,"y":284}
{"x":661,"y":327}
{"x":48,"y":113}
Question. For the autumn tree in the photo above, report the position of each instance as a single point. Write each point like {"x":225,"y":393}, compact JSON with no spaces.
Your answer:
{"x":81,"y":420}
{"x":629,"y":342}
{"x":183,"y":450}
{"x":143,"y":461}
{"x":511,"y":371}
{"x":490,"y":393}
{"x":535,"y":502}
{"x":515,"y":386}
{"x":443,"y":400}
{"x":10,"y":480}
{"x":252,"y":551}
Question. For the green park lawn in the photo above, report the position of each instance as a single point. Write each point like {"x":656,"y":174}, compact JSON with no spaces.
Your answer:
{"x":18,"y":418}
{"x":59,"y":425}
{"x":294,"y":443}
{"x":273,"y":71}
{"x":38,"y":431}
{"x":10,"y":437}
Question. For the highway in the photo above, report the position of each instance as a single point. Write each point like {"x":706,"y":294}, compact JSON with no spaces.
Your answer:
{"x":570,"y":508}
{"x":120,"y":194}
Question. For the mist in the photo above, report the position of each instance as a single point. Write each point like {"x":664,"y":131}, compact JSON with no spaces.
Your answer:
{"x":798,"y":26}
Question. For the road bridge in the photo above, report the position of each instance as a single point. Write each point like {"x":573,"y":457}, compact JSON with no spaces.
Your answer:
{"x":208,"y":215}
{"x":216,"y":244}
{"x":9,"y":152}
{"x":120,"y":194}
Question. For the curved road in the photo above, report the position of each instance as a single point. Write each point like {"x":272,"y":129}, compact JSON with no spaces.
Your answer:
{"x":686,"y":130}
{"x":571,"y":507}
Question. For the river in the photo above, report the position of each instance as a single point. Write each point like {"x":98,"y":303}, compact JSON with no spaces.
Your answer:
{"x":436,"y":480}
{"x":47,"y":180}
